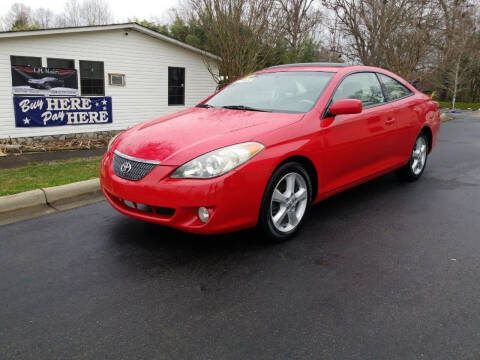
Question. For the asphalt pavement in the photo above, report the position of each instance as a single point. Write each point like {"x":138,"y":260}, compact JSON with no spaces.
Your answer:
{"x":387,"y":270}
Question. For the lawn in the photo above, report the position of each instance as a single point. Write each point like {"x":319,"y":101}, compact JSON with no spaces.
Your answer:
{"x":459,"y":105}
{"x":45,"y":174}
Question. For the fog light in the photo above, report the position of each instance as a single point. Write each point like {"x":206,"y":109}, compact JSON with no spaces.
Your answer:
{"x":203,"y":214}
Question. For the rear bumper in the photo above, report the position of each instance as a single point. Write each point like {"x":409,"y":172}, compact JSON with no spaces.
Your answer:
{"x":233,"y":200}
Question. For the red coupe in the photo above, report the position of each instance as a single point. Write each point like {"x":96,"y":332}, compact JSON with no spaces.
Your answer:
{"x":265,"y":148}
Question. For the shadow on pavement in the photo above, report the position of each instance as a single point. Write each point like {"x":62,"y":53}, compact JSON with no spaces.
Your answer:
{"x":156,"y":238}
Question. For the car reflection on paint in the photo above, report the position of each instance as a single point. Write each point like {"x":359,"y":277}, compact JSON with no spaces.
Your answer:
{"x":46,"y":83}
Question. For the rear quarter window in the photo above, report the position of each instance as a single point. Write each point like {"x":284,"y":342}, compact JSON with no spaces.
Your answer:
{"x":394,"y":89}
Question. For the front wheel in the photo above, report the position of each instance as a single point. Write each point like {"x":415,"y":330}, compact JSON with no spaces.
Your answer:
{"x":418,"y":160}
{"x":286,"y":201}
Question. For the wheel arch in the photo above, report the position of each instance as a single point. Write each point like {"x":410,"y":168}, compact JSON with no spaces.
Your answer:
{"x":309,"y":167}
{"x":429,"y":134}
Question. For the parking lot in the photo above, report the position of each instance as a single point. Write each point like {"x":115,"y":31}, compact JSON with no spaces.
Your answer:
{"x":387,"y":270}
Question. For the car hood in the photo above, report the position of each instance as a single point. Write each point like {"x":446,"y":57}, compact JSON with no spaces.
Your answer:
{"x":177,"y":138}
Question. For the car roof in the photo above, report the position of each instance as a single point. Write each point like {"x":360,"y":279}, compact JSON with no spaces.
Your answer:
{"x":309,"y":64}
{"x":322,"y":66}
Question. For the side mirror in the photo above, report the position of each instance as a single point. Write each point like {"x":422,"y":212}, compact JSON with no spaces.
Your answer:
{"x":346,"y":106}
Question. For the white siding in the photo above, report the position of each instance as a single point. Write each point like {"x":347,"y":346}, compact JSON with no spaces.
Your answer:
{"x":143,"y":59}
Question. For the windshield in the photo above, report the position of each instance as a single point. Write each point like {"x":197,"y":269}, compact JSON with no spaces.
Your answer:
{"x":292,"y":92}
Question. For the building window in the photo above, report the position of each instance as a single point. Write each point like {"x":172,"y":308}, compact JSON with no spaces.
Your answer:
{"x":60,"y":63}
{"x":176,"y":86}
{"x":92,"y":78}
{"x":116,"y":79}
{"x":26,"y":61}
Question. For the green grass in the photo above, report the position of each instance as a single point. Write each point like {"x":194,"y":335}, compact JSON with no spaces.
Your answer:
{"x":459,"y":105}
{"x":39,"y":175}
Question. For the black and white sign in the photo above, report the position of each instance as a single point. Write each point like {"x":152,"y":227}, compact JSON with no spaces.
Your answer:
{"x":28,"y":80}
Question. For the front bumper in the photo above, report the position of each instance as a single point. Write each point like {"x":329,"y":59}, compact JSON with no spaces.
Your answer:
{"x":233,"y":200}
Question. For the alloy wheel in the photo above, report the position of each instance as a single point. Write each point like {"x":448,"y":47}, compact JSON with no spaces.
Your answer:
{"x":289,"y":202}
{"x":419,"y":155}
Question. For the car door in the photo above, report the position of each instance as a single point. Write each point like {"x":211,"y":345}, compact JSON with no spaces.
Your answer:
{"x":405,"y":111}
{"x":358,"y":145}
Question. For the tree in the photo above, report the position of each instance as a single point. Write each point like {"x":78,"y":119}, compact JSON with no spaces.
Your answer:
{"x":386,"y":33}
{"x":459,"y":46}
{"x":161,"y":28}
{"x":96,"y":12}
{"x":88,"y":12}
{"x":44,"y":18}
{"x":236,"y":30}
{"x":19,"y":18}
{"x":71,"y":14}
{"x":299,"y":21}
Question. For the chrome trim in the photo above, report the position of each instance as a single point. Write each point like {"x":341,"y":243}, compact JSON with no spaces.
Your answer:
{"x":153,"y":162}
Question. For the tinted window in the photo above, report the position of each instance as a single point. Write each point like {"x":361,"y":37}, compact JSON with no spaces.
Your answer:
{"x":176,"y":86}
{"x":60,"y":63}
{"x":394,"y":89}
{"x":361,"y":86}
{"x":92,"y":78}
{"x":288,"y":91}
{"x":26,"y":61}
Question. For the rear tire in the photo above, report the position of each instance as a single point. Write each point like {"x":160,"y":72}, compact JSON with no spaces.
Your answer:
{"x":413,"y":170}
{"x":286,"y":202}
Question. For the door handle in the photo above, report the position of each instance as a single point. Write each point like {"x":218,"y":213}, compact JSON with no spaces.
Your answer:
{"x":390,"y":121}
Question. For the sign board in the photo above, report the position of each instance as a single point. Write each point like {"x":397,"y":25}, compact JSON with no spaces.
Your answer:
{"x":58,"y":111}
{"x":27,"y":80}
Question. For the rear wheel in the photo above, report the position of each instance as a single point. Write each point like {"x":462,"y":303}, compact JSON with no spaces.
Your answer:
{"x":286,"y":201}
{"x":418,"y":160}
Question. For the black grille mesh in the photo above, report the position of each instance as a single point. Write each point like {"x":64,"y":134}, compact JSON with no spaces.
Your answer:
{"x":137,"y":170}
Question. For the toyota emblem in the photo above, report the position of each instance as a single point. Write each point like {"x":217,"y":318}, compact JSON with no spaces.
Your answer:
{"x":126,"y":167}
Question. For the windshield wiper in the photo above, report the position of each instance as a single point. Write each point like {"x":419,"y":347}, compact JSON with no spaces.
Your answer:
{"x":242,"y":107}
{"x":205,"y":106}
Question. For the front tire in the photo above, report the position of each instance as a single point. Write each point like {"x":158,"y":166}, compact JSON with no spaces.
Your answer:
{"x":286,"y":202}
{"x":418,"y":160}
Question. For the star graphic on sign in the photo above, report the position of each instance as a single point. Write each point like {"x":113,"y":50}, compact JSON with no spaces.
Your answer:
{"x":104,"y":108}
{"x":97,"y":104}
{"x":104,"y":102}
{"x":26,"y":121}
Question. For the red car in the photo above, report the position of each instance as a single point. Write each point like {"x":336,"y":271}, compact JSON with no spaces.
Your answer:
{"x":264,"y":149}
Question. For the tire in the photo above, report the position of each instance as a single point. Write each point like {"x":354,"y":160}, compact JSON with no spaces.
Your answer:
{"x":413,"y":170}
{"x":289,"y":211}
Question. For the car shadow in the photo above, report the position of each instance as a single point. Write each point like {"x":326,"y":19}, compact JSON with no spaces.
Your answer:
{"x":156,"y":251}
{"x":156,"y":238}
{"x":359,"y":196}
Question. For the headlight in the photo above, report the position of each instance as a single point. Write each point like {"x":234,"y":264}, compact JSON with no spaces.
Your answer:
{"x":218,"y":162}
{"x":111,"y":141}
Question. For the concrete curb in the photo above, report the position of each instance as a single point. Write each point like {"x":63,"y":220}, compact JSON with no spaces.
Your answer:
{"x":48,"y":196}
{"x":69,"y":191}
{"x":22,"y":200}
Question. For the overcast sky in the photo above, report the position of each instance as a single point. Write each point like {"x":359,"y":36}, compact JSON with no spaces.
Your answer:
{"x":122,"y":10}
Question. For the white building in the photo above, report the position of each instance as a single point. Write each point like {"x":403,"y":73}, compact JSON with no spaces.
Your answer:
{"x":141,"y":73}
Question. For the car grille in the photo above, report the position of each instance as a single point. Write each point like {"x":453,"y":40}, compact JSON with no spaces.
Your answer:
{"x":130,"y":168}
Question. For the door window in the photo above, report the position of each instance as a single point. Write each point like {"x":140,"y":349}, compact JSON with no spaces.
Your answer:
{"x":361,"y":86}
